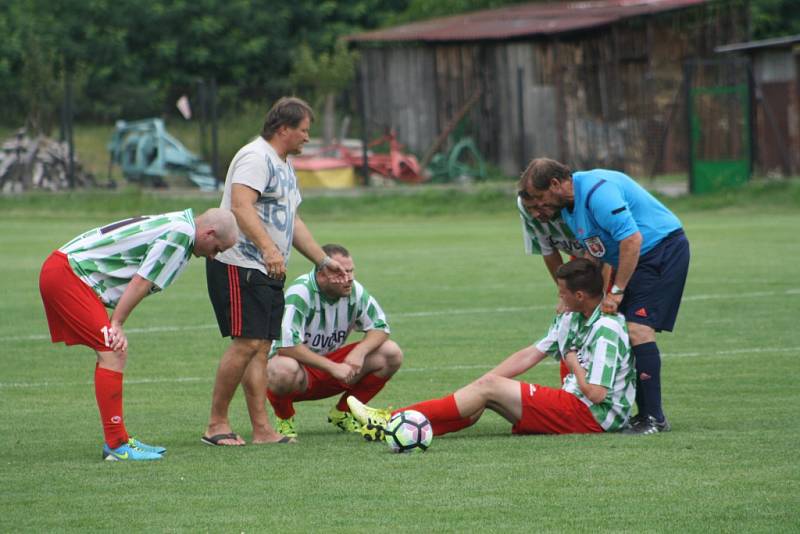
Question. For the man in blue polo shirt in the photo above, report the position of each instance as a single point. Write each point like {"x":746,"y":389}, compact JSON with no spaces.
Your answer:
{"x":623,"y":225}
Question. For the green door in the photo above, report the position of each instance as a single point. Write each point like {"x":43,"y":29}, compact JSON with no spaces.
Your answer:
{"x":720,"y":143}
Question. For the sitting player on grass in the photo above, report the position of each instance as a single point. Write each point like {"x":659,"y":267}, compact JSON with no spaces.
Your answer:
{"x":311,"y":361}
{"x":546,"y":234}
{"x":595,"y":397}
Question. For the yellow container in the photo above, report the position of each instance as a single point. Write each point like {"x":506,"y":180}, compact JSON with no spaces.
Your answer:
{"x":324,"y":173}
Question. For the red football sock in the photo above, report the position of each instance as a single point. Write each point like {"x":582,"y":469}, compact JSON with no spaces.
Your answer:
{"x":283,"y":405}
{"x":454,"y":425}
{"x":108,"y":392}
{"x":364,"y":390}
{"x":442,"y":413}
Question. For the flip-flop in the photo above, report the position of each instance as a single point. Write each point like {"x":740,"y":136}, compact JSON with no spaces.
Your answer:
{"x":214,"y":440}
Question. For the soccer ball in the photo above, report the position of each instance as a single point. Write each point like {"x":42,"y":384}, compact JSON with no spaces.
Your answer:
{"x":409,"y":431}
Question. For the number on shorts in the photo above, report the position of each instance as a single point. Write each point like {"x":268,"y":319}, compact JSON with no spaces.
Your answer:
{"x":106,"y":336}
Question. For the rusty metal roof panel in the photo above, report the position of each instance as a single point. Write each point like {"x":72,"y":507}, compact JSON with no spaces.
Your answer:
{"x":776,"y":42}
{"x":524,"y":20}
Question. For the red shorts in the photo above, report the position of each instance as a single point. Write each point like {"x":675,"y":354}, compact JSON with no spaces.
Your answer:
{"x":74,"y":313}
{"x":322,"y":385}
{"x":553,"y":411}
{"x":563,"y":370}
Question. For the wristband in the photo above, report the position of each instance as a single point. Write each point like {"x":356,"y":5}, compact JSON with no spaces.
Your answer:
{"x":324,"y":262}
{"x":615,"y":290}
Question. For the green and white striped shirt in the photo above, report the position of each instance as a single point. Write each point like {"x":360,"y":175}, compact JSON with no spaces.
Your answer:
{"x":544,"y":238}
{"x":604,"y":352}
{"x":566,"y":333}
{"x":156,"y":247}
{"x":321,"y":323}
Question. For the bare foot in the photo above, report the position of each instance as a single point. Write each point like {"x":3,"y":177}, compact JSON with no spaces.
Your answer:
{"x":266,"y":436}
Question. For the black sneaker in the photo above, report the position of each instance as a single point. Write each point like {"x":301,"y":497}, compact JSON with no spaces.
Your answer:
{"x":637,"y":420}
{"x":643,"y":426}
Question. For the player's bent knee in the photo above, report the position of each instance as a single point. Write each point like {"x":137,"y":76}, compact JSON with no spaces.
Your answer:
{"x":249,"y":346}
{"x":385,"y":360}
{"x":640,"y":333}
{"x":282,"y":374}
{"x":115,"y":361}
{"x":392,"y":352}
{"x":487,"y":383}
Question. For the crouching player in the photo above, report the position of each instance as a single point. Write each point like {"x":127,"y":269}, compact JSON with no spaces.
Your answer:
{"x":311,"y":361}
{"x":595,"y":397}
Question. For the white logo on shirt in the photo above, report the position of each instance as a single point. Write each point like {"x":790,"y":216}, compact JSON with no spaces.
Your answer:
{"x":595,"y":246}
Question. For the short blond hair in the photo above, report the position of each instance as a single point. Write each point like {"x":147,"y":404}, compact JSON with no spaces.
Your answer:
{"x":222,"y":221}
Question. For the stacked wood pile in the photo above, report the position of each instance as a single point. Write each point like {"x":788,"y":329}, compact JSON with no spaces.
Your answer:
{"x":38,"y":163}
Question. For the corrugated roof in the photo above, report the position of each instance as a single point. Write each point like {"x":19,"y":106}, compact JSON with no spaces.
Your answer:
{"x":776,"y":42}
{"x":524,"y":20}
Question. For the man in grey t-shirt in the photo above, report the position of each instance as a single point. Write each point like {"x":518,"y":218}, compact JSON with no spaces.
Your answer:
{"x":246,"y":284}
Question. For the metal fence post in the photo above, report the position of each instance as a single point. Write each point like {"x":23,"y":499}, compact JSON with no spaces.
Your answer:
{"x":68,"y":127}
{"x":521,"y":118}
{"x":214,"y":127}
{"x":687,"y":76}
{"x":362,"y":109}
{"x":201,"y":104}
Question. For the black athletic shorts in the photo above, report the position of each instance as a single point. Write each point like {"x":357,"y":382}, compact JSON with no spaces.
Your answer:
{"x":246,"y":302}
{"x":654,"y":292}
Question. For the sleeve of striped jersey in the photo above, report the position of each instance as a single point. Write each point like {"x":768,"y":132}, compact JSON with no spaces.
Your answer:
{"x":604,"y":355}
{"x":293,"y":324}
{"x":549,"y":344}
{"x":369,"y":315}
{"x":530,"y":236}
{"x":165,"y":258}
{"x":529,"y":239}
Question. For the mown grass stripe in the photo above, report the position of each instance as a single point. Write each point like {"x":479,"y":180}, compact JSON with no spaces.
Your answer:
{"x":178,"y":380}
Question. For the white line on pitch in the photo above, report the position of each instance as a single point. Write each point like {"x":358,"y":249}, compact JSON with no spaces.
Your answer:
{"x":549,"y":361}
{"x":403,"y":315}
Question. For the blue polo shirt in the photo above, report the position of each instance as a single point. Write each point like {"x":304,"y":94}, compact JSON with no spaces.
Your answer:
{"x":610,"y":206}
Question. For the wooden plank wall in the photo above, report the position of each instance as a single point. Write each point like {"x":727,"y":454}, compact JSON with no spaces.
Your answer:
{"x":400,"y":93}
{"x":778,"y":136}
{"x":494,"y":123}
{"x":602,"y":98}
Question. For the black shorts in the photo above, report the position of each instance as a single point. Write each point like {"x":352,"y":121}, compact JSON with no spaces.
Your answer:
{"x":654,"y":292}
{"x":246,"y":302}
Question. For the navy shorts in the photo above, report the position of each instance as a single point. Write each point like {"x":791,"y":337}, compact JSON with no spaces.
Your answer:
{"x":653,"y":294}
{"x":246,"y":302}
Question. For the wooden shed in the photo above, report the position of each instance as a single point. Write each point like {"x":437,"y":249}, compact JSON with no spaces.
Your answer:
{"x":775,"y":65}
{"x":591,"y":83}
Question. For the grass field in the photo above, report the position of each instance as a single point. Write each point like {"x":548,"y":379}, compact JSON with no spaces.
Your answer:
{"x":460,"y":295}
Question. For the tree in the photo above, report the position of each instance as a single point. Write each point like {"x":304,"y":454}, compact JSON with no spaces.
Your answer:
{"x":428,"y":9}
{"x":35,"y":65}
{"x":774,"y":18}
{"x":327,"y":75}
